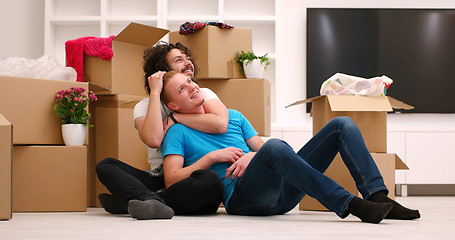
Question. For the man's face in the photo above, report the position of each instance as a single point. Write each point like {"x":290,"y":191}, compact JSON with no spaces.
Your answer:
{"x":183,"y":94}
{"x":180,"y":62}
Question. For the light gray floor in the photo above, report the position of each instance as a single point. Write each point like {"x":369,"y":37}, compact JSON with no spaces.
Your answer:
{"x":437,"y":222}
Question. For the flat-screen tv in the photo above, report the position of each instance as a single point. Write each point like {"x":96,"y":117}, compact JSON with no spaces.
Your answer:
{"x":414,"y":47}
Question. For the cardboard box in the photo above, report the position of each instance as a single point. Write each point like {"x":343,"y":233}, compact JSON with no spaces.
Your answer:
{"x":214,"y":48}
{"x":251,"y":97}
{"x":6,"y":144}
{"x":28,"y":103}
{"x":387,"y":164}
{"x":114,"y":135}
{"x":124,"y":73}
{"x":368,"y":113}
{"x":49,"y":178}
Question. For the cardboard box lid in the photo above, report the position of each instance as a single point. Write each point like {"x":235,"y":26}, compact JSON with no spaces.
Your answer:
{"x":140,"y":34}
{"x":117,"y":100}
{"x":4,"y":121}
{"x":359,"y":103}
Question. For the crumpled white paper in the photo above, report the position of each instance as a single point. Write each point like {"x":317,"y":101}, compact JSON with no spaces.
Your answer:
{"x":45,"y":67}
{"x":343,"y":84}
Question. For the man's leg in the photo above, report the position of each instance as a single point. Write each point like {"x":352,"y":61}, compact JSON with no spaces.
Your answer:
{"x":342,"y":135}
{"x":277,"y":178}
{"x":200,"y":193}
{"x":131,"y":185}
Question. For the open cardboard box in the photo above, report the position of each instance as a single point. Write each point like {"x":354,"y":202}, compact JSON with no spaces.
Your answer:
{"x":113,"y":135}
{"x":49,"y":178}
{"x":214,"y":50}
{"x":28,"y":103}
{"x":6,"y":145}
{"x":370,"y":115}
{"x":123,"y":73}
{"x":251,"y":97}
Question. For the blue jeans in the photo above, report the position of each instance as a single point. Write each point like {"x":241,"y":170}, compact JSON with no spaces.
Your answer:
{"x":277,"y":178}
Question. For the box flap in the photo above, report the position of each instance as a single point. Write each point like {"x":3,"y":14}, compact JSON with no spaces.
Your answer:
{"x":359,"y":103}
{"x":118,"y":100}
{"x":308,"y":100}
{"x":399,"y":164}
{"x":396,"y":104}
{"x":140,"y":34}
{"x":4,"y":121}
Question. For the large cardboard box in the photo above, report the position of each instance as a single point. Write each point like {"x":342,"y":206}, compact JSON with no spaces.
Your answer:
{"x":28,"y":103}
{"x":214,"y":50}
{"x":114,"y":135}
{"x":387,"y":164}
{"x":49,"y":178}
{"x":124,"y":73}
{"x":370,"y":115}
{"x":6,"y":144}
{"x":251,"y":97}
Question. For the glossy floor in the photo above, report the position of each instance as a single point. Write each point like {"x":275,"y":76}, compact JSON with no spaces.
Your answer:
{"x":437,"y":222}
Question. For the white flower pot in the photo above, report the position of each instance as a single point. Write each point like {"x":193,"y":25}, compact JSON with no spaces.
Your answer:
{"x":254,"y":69}
{"x":74,"y":134}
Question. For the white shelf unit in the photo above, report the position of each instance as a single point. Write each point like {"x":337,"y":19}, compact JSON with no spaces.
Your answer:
{"x":69,"y":19}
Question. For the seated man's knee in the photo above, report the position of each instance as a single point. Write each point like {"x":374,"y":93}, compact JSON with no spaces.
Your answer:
{"x":276,"y":146}
{"x":343,"y":122}
{"x":207,"y":180}
{"x":101,"y":165}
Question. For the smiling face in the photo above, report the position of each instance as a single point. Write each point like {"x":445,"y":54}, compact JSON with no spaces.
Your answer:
{"x":183,"y":94}
{"x":180,"y":62}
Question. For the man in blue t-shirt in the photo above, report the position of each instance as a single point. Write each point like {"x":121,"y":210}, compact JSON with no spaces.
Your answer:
{"x":270,"y":178}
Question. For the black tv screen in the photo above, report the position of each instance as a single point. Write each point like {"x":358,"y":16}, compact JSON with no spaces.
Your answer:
{"x":414,"y":47}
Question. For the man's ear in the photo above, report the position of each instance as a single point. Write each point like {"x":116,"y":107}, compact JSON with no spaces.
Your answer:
{"x":172,"y":106}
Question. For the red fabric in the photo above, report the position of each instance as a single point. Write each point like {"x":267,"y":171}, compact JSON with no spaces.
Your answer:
{"x":92,"y":46}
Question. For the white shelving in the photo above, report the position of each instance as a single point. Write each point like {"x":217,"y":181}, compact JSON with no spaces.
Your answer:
{"x":66,"y":19}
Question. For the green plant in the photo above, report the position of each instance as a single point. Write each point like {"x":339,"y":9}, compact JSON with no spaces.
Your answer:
{"x":71,"y":105}
{"x":247,"y":57}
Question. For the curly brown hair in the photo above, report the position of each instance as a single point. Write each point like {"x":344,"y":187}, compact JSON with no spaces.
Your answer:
{"x":155,"y":59}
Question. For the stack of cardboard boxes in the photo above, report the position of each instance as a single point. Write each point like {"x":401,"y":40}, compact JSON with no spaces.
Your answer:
{"x":370,"y":115}
{"x":46,"y":176}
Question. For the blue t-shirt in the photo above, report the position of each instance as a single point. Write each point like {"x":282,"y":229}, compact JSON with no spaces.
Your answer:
{"x":193,"y":145}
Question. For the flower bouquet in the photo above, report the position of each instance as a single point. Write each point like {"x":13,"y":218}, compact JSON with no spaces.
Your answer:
{"x":71,"y":105}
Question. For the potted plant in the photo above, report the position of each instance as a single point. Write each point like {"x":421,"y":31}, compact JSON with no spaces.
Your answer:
{"x":253,"y":65}
{"x":71,"y":107}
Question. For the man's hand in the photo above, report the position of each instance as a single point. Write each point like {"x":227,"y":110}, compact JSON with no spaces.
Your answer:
{"x":156,"y":82}
{"x":230,"y":154}
{"x":238,"y":168}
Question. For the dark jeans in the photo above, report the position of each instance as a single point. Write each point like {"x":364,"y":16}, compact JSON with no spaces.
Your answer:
{"x":201,"y":193}
{"x":277,"y":178}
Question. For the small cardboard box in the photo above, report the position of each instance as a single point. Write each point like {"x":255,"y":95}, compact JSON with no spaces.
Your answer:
{"x":251,"y":97}
{"x":28,"y":103}
{"x":49,"y":178}
{"x":368,"y":113}
{"x":124,"y":73}
{"x":214,"y":50}
{"x":387,"y":164}
{"x":6,"y":148}
{"x":114,"y":135}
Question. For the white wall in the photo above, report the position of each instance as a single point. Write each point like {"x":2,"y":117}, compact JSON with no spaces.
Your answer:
{"x":22,"y":26}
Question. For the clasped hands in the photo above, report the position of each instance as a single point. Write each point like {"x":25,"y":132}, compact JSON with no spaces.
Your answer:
{"x":239,"y":161}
